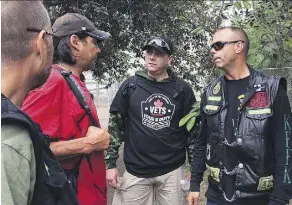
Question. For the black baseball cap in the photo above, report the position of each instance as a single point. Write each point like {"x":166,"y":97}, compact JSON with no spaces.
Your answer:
{"x":162,"y":44}
{"x":73,"y":23}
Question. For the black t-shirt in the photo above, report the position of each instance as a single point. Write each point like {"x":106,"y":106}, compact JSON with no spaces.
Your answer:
{"x":154,"y":142}
{"x":235,"y":92}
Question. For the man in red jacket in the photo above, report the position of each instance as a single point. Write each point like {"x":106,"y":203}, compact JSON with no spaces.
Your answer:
{"x":76,"y":143}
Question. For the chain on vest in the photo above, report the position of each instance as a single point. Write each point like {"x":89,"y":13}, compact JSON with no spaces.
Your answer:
{"x":252,"y":144}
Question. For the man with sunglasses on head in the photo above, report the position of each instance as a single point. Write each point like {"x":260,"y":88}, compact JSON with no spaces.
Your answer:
{"x":145,"y":114}
{"x":75,"y":139}
{"x":245,"y":136}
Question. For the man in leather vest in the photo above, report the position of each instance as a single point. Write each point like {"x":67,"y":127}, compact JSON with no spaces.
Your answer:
{"x":245,"y":138}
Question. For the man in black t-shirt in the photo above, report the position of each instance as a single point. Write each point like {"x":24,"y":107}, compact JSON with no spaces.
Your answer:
{"x":245,"y":138}
{"x":145,"y":114}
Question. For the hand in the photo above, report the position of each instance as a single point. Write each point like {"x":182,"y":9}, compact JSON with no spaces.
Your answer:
{"x":193,"y":198}
{"x":96,"y":139}
{"x":112,"y":177}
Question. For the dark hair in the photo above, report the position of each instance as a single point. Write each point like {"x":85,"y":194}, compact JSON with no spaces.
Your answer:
{"x":62,"y":51}
{"x":243,"y":34}
{"x":92,"y":96}
{"x":82,"y":77}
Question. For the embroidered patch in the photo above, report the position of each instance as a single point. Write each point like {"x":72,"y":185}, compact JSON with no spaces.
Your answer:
{"x":212,"y":107}
{"x":265,"y":183}
{"x":214,"y":173}
{"x":240,"y":98}
{"x":259,"y":100}
{"x":217,"y":88}
{"x":214,"y":98}
{"x":260,"y":87}
{"x":259,"y":111}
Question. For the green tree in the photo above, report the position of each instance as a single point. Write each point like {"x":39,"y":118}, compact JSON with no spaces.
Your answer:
{"x":188,"y":23}
{"x":269,"y":27}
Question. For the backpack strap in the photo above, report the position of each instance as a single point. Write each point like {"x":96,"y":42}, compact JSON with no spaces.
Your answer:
{"x":179,"y":89}
{"x":131,"y":84}
{"x":128,"y":92}
{"x":76,"y":89}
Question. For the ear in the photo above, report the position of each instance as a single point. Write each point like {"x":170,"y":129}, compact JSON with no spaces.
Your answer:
{"x":75,"y":43}
{"x":40,"y":46}
{"x":170,"y":60}
{"x":143,"y":54}
{"x":239,"y":47}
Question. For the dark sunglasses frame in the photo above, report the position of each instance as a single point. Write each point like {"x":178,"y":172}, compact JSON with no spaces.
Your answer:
{"x":220,"y":44}
{"x":36,"y":30}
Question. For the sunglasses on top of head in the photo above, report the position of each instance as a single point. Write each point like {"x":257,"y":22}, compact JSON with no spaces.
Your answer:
{"x":220,"y":44}
{"x":159,"y":42}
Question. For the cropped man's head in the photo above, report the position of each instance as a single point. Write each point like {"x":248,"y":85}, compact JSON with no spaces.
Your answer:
{"x":158,"y":53}
{"x":228,"y":45}
{"x":77,"y":40}
{"x":26,"y":34}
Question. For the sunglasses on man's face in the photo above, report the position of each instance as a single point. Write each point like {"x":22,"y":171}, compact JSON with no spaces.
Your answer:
{"x":220,"y":44}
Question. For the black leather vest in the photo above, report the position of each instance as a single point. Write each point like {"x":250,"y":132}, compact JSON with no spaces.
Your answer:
{"x":252,"y":145}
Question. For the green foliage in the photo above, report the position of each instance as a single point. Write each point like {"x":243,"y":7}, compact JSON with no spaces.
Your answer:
{"x":190,"y":119}
{"x":190,"y":25}
{"x":132,"y":22}
{"x":269,"y":27}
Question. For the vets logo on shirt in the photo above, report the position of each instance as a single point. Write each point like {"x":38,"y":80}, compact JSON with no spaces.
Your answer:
{"x":157,"y":111}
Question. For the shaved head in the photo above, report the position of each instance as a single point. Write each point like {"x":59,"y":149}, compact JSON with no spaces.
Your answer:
{"x":238,"y":34}
{"x":16,"y":17}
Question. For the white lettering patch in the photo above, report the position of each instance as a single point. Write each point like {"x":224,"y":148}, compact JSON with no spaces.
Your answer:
{"x":157,"y":111}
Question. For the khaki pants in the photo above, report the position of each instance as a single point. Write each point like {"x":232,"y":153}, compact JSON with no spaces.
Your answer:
{"x":161,"y":190}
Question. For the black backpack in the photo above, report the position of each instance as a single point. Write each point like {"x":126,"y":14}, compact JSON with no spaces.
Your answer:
{"x":51,"y":186}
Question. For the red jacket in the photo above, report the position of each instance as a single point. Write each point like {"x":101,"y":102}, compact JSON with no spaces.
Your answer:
{"x":55,"y":107}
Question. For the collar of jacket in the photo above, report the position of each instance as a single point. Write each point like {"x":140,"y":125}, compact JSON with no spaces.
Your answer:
{"x":143,"y":73}
{"x":255,"y":77}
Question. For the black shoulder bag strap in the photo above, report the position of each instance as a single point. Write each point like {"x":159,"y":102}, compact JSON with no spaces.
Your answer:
{"x":79,"y":94}
{"x":74,"y":86}
{"x":128,"y":92}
